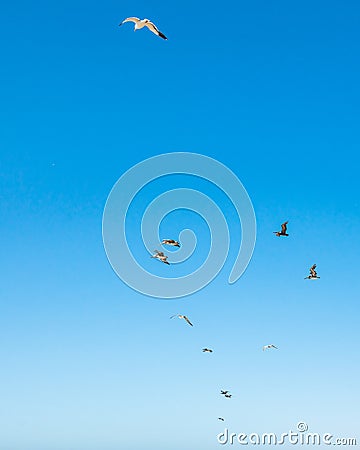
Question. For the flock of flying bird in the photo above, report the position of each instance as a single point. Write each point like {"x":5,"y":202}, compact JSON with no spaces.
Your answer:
{"x":139,"y":24}
{"x":164,"y":258}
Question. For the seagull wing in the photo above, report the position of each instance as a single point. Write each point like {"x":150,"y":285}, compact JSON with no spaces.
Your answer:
{"x":175,"y":315}
{"x":188,"y":321}
{"x":153,"y":28}
{"x":313,"y":271}
{"x":130,"y":19}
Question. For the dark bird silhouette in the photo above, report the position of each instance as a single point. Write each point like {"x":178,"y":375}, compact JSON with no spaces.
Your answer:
{"x":313,"y":274}
{"x":223,"y":392}
{"x":283,"y":230}
{"x":170,"y":242}
{"x":208,"y":350}
{"x":228,"y":395}
{"x":220,"y":418}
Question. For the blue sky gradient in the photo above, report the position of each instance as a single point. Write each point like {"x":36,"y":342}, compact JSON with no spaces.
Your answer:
{"x":269,"y":89}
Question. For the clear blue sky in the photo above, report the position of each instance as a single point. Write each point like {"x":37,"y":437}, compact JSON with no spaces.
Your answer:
{"x":271,"y":89}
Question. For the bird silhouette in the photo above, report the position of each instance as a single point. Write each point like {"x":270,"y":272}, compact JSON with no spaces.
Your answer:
{"x":180,"y":316}
{"x":268,"y":346}
{"x":283,"y":230}
{"x":161,"y":257}
{"x":313,"y":273}
{"x":170,"y":242}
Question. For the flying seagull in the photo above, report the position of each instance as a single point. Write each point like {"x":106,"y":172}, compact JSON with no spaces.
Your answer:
{"x":160,"y":256}
{"x":268,"y":346}
{"x":223,"y":392}
{"x":180,"y":316}
{"x":144,"y":23}
{"x":220,"y":418}
{"x":171,"y":242}
{"x":283,"y":230}
{"x":207,"y":350}
{"x":313,"y":274}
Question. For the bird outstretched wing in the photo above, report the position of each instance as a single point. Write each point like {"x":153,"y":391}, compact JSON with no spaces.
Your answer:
{"x":130,"y":19}
{"x":155,"y":30}
{"x":284,"y":227}
{"x":188,"y":321}
{"x":313,"y":271}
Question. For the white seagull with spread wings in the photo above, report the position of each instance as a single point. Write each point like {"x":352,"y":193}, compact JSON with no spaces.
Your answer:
{"x":268,"y":346}
{"x":144,"y":23}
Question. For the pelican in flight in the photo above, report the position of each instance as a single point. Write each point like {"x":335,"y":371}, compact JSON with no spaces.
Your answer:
{"x":283,"y":230}
{"x":268,"y":346}
{"x":160,"y":256}
{"x":207,"y":350}
{"x":144,"y":23}
{"x":180,"y":316}
{"x":313,"y":274}
{"x":170,"y":242}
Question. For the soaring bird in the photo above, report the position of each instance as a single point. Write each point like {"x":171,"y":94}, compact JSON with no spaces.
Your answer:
{"x":223,"y":392}
{"x":220,"y":418}
{"x":180,"y":316}
{"x":228,"y":395}
{"x":268,"y":346}
{"x":160,"y":256}
{"x":283,"y":230}
{"x":313,"y":273}
{"x":170,"y":242}
{"x":144,"y":23}
{"x":207,"y":350}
